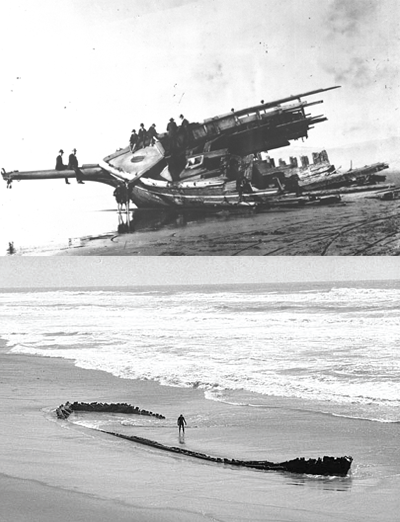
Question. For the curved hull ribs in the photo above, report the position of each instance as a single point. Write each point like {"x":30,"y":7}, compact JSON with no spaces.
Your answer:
{"x":325,"y":466}
{"x":335,"y":466}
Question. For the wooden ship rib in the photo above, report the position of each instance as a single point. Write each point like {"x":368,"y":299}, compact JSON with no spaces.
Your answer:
{"x":336,"y":466}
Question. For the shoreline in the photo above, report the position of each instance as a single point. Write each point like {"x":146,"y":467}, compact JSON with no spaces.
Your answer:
{"x":358,"y":227}
{"x":59,"y":462}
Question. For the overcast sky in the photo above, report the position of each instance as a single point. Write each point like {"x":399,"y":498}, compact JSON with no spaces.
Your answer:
{"x":83,"y":73}
{"x":34,"y":272}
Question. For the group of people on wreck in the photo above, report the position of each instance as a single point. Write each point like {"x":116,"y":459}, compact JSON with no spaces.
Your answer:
{"x":72,"y":165}
{"x":143,"y":138}
{"x":177,"y":135}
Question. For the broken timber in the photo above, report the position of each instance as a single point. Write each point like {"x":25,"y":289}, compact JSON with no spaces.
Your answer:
{"x":338,"y":466}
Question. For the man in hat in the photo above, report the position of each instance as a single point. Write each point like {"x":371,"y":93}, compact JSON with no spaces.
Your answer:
{"x":152,"y":134}
{"x":142,"y":134}
{"x":172,"y":129}
{"x":133,"y":140}
{"x":184,"y":129}
{"x":184,"y":123}
{"x":60,"y":165}
{"x":73,"y":164}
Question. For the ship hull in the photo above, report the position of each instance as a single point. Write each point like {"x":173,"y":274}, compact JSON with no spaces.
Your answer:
{"x":146,"y":194}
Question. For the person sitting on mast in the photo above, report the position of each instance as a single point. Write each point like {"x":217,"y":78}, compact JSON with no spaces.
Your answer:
{"x":73,"y":164}
{"x":60,"y":165}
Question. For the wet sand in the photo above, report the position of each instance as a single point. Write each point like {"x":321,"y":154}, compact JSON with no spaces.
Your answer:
{"x":58,"y":470}
{"x":358,"y":226}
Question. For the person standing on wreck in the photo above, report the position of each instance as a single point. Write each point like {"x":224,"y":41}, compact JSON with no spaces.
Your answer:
{"x":142,"y":135}
{"x":152,"y":134}
{"x":172,"y":129}
{"x":183,"y":131}
{"x":60,"y":165}
{"x":181,"y":424}
{"x":133,"y":140}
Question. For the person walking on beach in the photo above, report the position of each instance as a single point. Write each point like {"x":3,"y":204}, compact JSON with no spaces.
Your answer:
{"x":181,"y":423}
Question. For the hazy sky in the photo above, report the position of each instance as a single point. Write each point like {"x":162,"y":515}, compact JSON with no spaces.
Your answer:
{"x":83,"y":73}
{"x":120,"y":271}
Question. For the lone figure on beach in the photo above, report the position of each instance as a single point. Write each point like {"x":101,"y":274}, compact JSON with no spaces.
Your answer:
{"x":181,"y":423}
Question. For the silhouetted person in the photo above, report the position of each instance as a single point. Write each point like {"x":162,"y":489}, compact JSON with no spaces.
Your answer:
{"x":172,"y":129}
{"x":183,"y":131}
{"x":133,"y":140}
{"x":184,"y":123}
{"x":11,"y":249}
{"x":243,"y":186}
{"x":152,"y":134}
{"x":60,"y":165}
{"x":181,"y":423}
{"x":142,"y":136}
{"x":121,"y":194}
{"x":73,"y":164}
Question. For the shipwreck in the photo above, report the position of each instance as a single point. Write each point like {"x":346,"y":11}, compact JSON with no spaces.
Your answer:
{"x":326,"y":466}
{"x":216,"y":163}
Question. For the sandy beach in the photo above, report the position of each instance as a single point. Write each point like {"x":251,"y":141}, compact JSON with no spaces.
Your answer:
{"x":59,"y":470}
{"x":358,"y":226}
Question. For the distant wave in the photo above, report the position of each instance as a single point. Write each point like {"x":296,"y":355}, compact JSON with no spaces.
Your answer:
{"x":210,"y":396}
{"x":369,"y":419}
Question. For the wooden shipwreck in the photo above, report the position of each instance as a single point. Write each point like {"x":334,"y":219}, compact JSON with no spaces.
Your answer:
{"x":337,"y":466}
{"x":218,"y":162}
{"x":200,"y":164}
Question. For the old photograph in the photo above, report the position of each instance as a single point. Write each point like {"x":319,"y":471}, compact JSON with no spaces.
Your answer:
{"x":199,"y":127}
{"x":199,"y":390}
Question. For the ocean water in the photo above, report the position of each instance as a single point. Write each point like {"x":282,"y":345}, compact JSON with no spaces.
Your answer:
{"x":327,"y":347}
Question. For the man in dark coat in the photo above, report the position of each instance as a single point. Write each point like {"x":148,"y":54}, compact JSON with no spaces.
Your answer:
{"x":152,"y":134}
{"x":183,"y":131}
{"x":142,"y":136}
{"x":133,"y":140}
{"x":73,"y":164}
{"x":60,"y":165}
{"x":184,"y":123}
{"x":172,"y":129}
